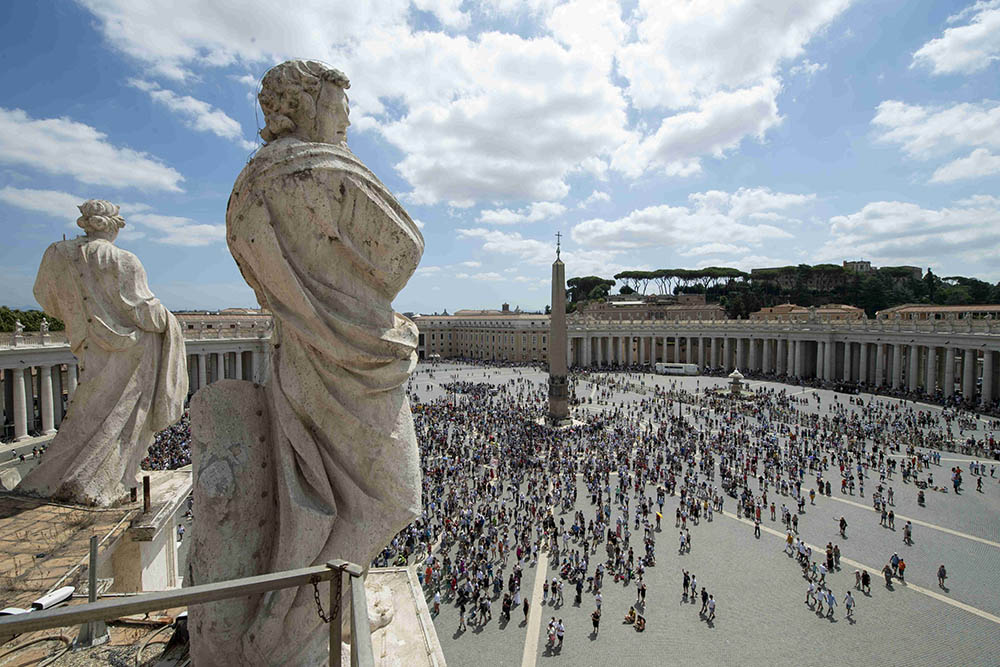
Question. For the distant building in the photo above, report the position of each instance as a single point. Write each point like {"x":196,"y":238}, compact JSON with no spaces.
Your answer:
{"x":858,"y":266}
{"x":634,"y":307}
{"x":791,"y":312}
{"x":494,"y":335}
{"x":924,"y":311}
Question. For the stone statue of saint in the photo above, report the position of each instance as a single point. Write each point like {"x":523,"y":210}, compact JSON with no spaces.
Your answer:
{"x":18,"y":328}
{"x":133,"y":372}
{"x":321,"y":461}
{"x":44,"y":327}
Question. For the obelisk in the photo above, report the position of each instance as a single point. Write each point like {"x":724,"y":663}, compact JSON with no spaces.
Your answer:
{"x":558,"y":383}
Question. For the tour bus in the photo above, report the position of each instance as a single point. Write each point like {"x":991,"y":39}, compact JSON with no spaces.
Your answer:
{"x":677,"y":369}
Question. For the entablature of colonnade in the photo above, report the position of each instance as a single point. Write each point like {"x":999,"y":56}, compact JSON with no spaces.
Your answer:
{"x":942,"y":333}
{"x":31,"y":352}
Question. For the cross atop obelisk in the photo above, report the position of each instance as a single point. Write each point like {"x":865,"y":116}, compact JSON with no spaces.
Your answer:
{"x":558,"y":361}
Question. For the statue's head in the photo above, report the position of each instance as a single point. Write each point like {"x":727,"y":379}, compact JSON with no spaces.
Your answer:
{"x":100,"y":219}
{"x":305,"y":99}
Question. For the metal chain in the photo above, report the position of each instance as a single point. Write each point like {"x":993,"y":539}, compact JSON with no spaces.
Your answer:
{"x":319,"y":605}
{"x":335,"y":612}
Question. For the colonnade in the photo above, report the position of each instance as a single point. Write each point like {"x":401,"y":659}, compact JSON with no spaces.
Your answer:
{"x":927,"y":367}
{"x":37,"y":391}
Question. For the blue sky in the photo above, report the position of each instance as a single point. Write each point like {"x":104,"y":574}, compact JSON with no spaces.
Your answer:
{"x":651,"y":134}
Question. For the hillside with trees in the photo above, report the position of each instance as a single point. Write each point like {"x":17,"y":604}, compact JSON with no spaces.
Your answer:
{"x":31,"y":319}
{"x":742,"y":293}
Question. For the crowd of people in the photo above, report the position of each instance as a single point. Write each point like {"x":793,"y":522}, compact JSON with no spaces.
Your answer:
{"x":503,"y":492}
{"x":171,"y":448}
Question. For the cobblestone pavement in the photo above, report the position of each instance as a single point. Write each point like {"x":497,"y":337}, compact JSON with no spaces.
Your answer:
{"x":761,"y":614}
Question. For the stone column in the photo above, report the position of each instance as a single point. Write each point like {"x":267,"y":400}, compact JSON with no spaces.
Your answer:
{"x":642,"y":350}
{"x":220,"y":367}
{"x":202,"y":369}
{"x":930,"y":379}
{"x":847,"y":361}
{"x":949,"y":371}
{"x":780,"y":356}
{"x":727,"y":353}
{"x":790,"y":360}
{"x":820,"y":358}
{"x":752,"y":361}
{"x":969,"y":375}
{"x":20,"y":405}
{"x":897,"y":365}
{"x":739,"y":354}
{"x":829,"y":357}
{"x":863,"y":363}
{"x":45,"y":399}
{"x":879,"y":365}
{"x":796,"y":358}
{"x":914,"y":368}
{"x":987,"y":389}
{"x":713,"y":352}
{"x":57,"y":391}
{"x":238,"y":367}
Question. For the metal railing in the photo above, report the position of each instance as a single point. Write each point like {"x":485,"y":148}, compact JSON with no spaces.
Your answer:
{"x":334,"y":572}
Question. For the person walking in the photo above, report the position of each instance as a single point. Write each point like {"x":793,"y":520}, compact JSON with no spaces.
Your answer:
{"x":595,"y":618}
{"x":849,"y":604}
{"x":942,"y":574}
{"x":560,"y":632}
{"x":704,"y":600}
{"x":711,"y":608}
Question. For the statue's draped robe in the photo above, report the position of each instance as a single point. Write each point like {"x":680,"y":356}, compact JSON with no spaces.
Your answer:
{"x":133,"y":373}
{"x":326,"y":247}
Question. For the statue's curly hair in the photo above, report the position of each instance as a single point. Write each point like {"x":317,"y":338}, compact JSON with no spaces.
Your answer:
{"x":288,"y":94}
{"x":99,"y":216}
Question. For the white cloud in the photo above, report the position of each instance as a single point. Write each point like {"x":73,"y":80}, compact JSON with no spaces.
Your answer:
{"x":64,"y":147}
{"x":486,"y":276}
{"x":471,"y":264}
{"x":49,"y":202}
{"x":718,"y":125}
{"x":923,"y":131}
{"x":427,"y":271}
{"x":894,"y":232}
{"x":509,"y":117}
{"x":968,"y":48}
{"x":197,"y":115}
{"x":716,"y":248}
{"x":977,"y":164}
{"x":176,"y":230}
{"x":712,"y":214}
{"x":535,"y":212}
{"x":593,"y":198}
{"x":541,"y":253}
{"x":448,"y":12}
{"x":687,"y":51}
{"x":807,"y":68}
{"x":172,"y":230}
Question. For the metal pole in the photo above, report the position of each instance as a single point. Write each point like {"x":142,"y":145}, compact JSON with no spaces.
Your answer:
{"x":336,"y":622}
{"x":92,"y":633}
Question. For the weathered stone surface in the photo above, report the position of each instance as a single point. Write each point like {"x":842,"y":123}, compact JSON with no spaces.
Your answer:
{"x":133,"y":371}
{"x":326,"y":248}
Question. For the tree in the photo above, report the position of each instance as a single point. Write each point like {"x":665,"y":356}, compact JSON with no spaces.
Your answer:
{"x":588,"y":288}
{"x":31,"y":319}
{"x":625,"y":289}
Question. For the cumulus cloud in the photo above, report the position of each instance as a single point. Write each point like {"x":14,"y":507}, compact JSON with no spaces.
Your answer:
{"x":197,"y":114}
{"x":806,"y":68}
{"x":540,"y":253}
{"x":977,"y":164}
{"x":712,"y":214}
{"x":535,"y":212}
{"x":896,"y":231}
{"x":716,"y":249}
{"x":593,"y":198}
{"x":181,"y":231}
{"x":923,"y":131}
{"x":167,"y":229}
{"x":687,"y":51}
{"x":64,"y":147}
{"x":507,"y":117}
{"x":967,"y":48}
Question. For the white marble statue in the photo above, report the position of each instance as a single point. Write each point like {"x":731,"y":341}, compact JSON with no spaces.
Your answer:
{"x":44,"y":327}
{"x":18,"y":328}
{"x":133,"y":373}
{"x":321,"y":461}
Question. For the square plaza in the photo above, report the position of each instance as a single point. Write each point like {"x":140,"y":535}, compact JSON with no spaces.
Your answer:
{"x":761,"y":615}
